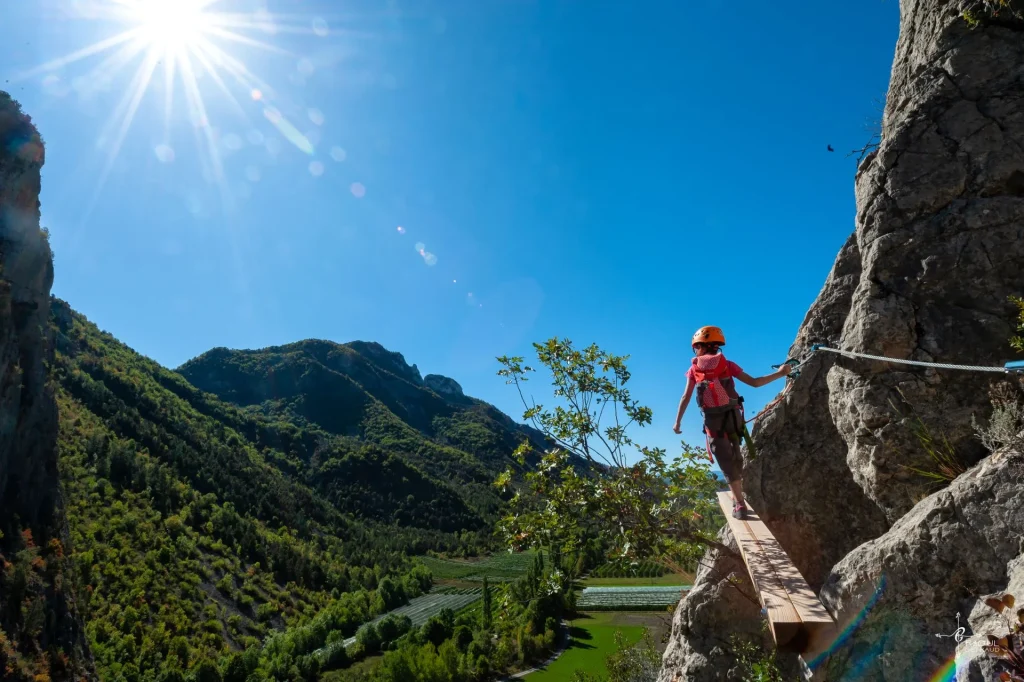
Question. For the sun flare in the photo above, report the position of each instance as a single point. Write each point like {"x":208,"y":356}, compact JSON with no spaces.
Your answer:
{"x":188,"y":53}
{"x":172,"y":24}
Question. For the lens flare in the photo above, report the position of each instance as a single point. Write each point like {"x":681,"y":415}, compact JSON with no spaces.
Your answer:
{"x":184,"y":50}
{"x":946,"y":673}
{"x":847,"y":632}
{"x":164,"y":153}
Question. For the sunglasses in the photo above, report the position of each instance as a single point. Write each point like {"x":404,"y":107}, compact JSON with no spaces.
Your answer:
{"x":706,"y":346}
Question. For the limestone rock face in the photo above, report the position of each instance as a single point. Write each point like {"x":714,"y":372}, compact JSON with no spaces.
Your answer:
{"x":937,"y":251}
{"x":31,"y":514}
{"x":935,"y":562}
{"x":714,"y":611}
{"x":443,"y":385}
{"x":940,"y":231}
{"x":800,"y":482}
{"x":972,"y":664}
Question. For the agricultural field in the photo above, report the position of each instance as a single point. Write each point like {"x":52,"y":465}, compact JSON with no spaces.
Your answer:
{"x":641,"y":569}
{"x":593,"y":638}
{"x":497,"y":568}
{"x":639,"y":598}
{"x":420,"y":610}
{"x":668,"y":580}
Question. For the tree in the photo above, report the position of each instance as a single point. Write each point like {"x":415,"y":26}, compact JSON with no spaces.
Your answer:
{"x":369,"y":638}
{"x":435,"y":631}
{"x":236,"y":669}
{"x":206,"y":671}
{"x":486,"y":608}
{"x":595,"y":480}
{"x":462,"y":636}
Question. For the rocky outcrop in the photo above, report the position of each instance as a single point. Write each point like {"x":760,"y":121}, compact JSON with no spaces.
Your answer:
{"x":443,"y":385}
{"x":37,"y":611}
{"x":940,"y":229}
{"x":392,"y":361}
{"x":971,"y":661}
{"x":938,"y":249}
{"x":720,"y":607}
{"x":800,"y":482}
{"x":935,"y":562}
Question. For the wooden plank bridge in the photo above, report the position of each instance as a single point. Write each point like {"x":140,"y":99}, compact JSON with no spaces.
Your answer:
{"x":798,"y":621}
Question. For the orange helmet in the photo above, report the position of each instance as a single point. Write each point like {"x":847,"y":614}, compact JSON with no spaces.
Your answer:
{"x":708,"y":335}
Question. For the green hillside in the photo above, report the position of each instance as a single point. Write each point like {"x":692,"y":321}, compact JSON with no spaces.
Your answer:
{"x":199,"y":527}
{"x":361,"y":393}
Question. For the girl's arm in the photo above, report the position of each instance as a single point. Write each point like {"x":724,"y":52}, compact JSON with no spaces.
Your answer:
{"x":683,"y":402}
{"x":767,"y":379}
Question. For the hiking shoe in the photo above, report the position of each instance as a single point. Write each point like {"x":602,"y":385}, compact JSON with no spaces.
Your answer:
{"x":739,"y":512}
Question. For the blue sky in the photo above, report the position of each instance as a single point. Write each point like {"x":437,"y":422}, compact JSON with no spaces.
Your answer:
{"x":618,"y":176}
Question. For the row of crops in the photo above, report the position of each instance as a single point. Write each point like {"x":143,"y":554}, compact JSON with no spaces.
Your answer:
{"x":496,"y":568}
{"x":630,"y":598}
{"x":422,"y":608}
{"x":458,"y":590}
{"x":642,"y":569}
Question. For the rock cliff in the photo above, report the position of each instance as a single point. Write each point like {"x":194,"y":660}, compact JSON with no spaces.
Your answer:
{"x":40,"y":631}
{"x":938,"y":249}
{"x":443,"y":385}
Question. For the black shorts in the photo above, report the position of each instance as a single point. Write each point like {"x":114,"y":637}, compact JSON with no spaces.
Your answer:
{"x":725,"y":431}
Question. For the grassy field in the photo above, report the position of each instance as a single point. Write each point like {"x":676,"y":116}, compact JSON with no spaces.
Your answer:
{"x":665,"y":580}
{"x":593,"y":638}
{"x":499,"y":567}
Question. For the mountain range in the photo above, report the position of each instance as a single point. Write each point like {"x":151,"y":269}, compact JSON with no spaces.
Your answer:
{"x":247,"y":490}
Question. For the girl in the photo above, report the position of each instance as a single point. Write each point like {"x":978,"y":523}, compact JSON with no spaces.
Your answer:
{"x":719,"y":402}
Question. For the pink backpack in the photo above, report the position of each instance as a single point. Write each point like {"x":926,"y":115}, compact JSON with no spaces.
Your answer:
{"x":716,"y":390}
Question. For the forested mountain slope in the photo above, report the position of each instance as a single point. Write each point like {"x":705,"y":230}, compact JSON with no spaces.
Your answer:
{"x":360,"y":392}
{"x":199,"y":527}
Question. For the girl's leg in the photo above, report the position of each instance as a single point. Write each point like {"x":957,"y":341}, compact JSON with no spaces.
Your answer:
{"x":736,"y":486}
{"x":727,"y":454}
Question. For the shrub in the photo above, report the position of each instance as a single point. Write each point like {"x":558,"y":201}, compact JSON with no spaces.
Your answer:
{"x":756,"y":665}
{"x":265,"y":612}
{"x":1005,"y":426}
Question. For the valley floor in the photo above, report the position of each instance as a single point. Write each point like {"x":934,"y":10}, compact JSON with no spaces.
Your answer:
{"x":593,"y":639}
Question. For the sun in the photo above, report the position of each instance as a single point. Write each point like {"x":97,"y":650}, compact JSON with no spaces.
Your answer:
{"x":172,"y":24}
{"x":187,"y":52}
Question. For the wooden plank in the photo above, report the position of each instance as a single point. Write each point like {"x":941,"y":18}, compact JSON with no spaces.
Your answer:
{"x":797,"y":618}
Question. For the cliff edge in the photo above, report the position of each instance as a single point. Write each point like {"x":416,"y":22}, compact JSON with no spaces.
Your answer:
{"x":41,"y":633}
{"x":937,"y":251}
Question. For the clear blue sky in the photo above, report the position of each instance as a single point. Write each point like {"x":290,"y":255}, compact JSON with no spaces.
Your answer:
{"x":611,"y":174}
